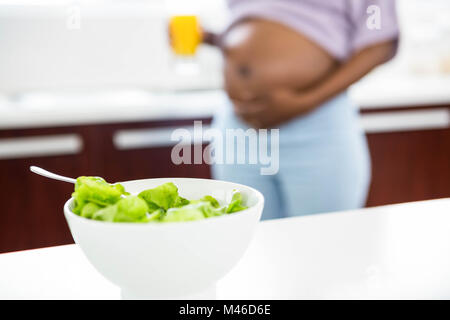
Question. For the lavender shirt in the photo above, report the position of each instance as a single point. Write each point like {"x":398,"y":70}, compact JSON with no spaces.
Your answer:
{"x":341,"y":27}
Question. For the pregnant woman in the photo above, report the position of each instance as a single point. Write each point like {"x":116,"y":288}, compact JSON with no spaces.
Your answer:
{"x":288,"y":64}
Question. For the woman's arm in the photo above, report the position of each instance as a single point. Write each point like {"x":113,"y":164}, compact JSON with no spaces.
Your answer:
{"x":284,"y":104}
{"x":350,"y":72}
{"x":211,"y":38}
{"x":207,"y":37}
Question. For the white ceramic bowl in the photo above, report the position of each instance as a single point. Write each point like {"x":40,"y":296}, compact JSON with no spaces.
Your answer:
{"x":169,"y":260}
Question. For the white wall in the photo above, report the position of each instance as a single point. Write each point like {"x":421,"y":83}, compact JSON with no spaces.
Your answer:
{"x":117,"y":43}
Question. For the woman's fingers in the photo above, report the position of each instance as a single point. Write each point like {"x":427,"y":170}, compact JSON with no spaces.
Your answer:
{"x":251,"y":112}
{"x":255,"y":120}
{"x":242,"y":108}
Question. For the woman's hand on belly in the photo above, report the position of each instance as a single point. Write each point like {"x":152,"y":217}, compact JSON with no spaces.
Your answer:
{"x":260,"y":97}
{"x":267,"y":69}
{"x":276,"y":107}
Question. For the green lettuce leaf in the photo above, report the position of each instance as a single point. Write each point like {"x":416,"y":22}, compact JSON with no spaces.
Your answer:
{"x":89,"y":209}
{"x":106,"y":214}
{"x":131,"y":209}
{"x":236,"y":203}
{"x":95,"y":190}
{"x":188,"y":212}
{"x":163,"y":197}
{"x":96,"y":199}
{"x":155,"y":216}
{"x":213,"y":201}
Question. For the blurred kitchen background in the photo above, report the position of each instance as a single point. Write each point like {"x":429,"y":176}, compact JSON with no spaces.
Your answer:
{"x":101,"y":95}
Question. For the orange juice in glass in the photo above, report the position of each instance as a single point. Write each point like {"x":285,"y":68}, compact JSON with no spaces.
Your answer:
{"x":185,"y":34}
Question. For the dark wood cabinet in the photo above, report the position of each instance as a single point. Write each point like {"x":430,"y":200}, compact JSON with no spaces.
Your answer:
{"x":31,"y":209}
{"x":409,"y":166}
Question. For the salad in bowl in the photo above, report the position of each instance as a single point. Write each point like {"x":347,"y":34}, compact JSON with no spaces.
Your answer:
{"x":164,"y":238}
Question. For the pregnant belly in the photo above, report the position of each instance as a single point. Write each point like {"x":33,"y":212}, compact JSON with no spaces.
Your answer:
{"x":261,"y":55}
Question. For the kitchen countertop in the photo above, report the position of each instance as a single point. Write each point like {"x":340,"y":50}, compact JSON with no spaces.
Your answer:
{"x":377,"y":90}
{"x":397,"y":251}
{"x":46,"y":110}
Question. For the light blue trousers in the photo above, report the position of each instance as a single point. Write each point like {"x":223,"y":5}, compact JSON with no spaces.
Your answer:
{"x":324,"y":163}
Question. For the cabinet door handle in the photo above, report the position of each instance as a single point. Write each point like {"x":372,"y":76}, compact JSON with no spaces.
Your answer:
{"x":393,"y":121}
{"x":148,"y":138}
{"x":40,"y":146}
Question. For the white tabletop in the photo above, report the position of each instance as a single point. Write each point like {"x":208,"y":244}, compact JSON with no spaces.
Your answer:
{"x":399,"y":251}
